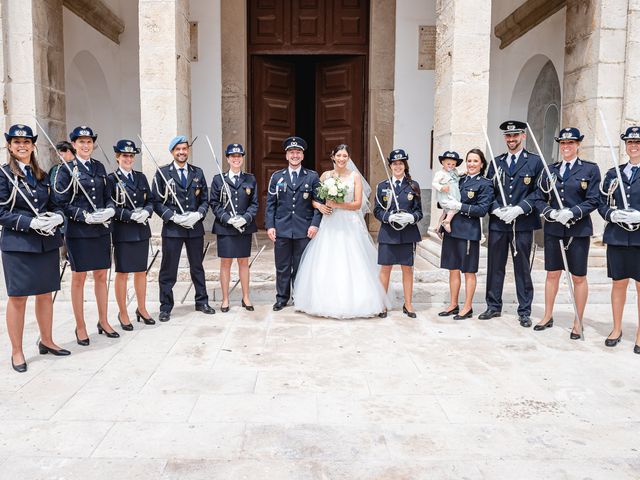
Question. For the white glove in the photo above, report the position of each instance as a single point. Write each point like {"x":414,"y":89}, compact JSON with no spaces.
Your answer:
{"x":396,"y":218}
{"x":630,"y":216}
{"x":93,"y":218}
{"x":39,"y":223}
{"x":140,"y":216}
{"x":406,"y":218}
{"x":554,"y":214}
{"x":191,"y":219}
{"x":100,"y":216}
{"x":451,"y":204}
{"x":179,"y":218}
{"x":512,"y":214}
{"x":52,"y":220}
{"x":500,"y":212}
{"x":565,"y":215}
{"x":108,"y":213}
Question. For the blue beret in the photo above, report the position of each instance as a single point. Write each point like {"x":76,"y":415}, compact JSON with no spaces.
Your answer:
{"x":513,"y":126}
{"x":632,"y":133}
{"x":82,"y":131}
{"x":450,"y":155}
{"x":126,"y":146}
{"x":176,"y":141}
{"x":397,"y":154}
{"x":569,"y":133}
{"x":21,"y":131}
{"x":234,"y":148}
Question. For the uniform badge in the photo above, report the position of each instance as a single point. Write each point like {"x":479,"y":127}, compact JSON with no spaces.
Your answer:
{"x":527,"y":180}
{"x":305,"y":195}
{"x":145,"y":196}
{"x":385,"y":198}
{"x":197,"y":192}
{"x":471,"y":194}
{"x":584,"y":184}
{"x":247,"y":191}
{"x":410,"y":196}
{"x":196,"y":179}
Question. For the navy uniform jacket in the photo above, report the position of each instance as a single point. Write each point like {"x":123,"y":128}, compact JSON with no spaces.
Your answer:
{"x":289,"y":210}
{"x":580,"y":193}
{"x":476,"y":196}
{"x":408,"y":201}
{"x":124,"y":229}
{"x":16,"y":234}
{"x":194,"y":198}
{"x":75,"y":204}
{"x":614,"y":234}
{"x":244,"y":196}
{"x":519,"y":190}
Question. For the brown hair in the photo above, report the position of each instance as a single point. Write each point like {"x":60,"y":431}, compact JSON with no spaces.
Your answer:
{"x":17,"y":171}
{"x":416,"y":190}
{"x":341,"y":146}
{"x":478,"y":152}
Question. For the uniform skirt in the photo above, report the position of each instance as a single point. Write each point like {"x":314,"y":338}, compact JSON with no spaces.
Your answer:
{"x":622,"y":262}
{"x":31,"y":273}
{"x":131,"y":257}
{"x":396,"y":253}
{"x":234,"y":246}
{"x":460,"y":254}
{"x":88,"y":254}
{"x":577,"y":254}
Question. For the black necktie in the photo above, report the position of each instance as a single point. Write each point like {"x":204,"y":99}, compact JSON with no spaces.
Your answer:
{"x":183,"y":179}
{"x":235,"y":179}
{"x":634,"y":170}
{"x":567,"y":171}
{"x":87,"y":165}
{"x":32,"y":181}
{"x":130,"y":178}
{"x":294,"y":178}
{"x":398,"y":184}
{"x":512,"y":165}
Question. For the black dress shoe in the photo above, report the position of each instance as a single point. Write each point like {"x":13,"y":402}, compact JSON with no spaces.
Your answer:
{"x":164,"y":316}
{"x":408,"y":313}
{"x":612,"y":342}
{"x":489,"y":313}
{"x":278,"y":306}
{"x":249,"y":308}
{"x":469,"y":314}
{"x":19,"y":368}
{"x":205,"y":308}
{"x":525,"y":321}
{"x":446,"y":313}
{"x":43,"y":349}
{"x":541,"y":326}
{"x":636,"y":349}
{"x":574,"y":336}
{"x":224,"y":309}
{"x":128,"y":327}
{"x":84,"y":342}
{"x":147,"y":321}
{"x":383,"y":314}
{"x":113,"y":334}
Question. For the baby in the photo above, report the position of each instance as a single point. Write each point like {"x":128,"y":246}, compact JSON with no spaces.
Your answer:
{"x":445,"y":183}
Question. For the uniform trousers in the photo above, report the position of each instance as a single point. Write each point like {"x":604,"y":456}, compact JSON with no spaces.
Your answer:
{"x":171,"y":249}
{"x":499,"y":244}
{"x":287,"y":253}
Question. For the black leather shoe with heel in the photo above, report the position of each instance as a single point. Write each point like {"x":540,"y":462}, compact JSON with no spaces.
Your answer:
{"x":464,"y":316}
{"x":43,"y":349}
{"x":113,"y":334}
{"x":489,"y":313}
{"x":128,"y":327}
{"x":248,"y":307}
{"x":147,"y":321}
{"x":446,"y":313}
{"x":612,"y":342}
{"x":408,"y":313}
{"x":19,"y":368}
{"x":84,"y":342}
{"x":543,"y":326}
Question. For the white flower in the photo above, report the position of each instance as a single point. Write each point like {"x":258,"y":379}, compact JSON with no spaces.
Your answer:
{"x":330,"y":182}
{"x":333,"y":190}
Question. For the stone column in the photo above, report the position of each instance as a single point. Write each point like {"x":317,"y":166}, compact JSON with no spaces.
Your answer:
{"x":463,"y":42}
{"x":632,"y":66}
{"x":33,"y":68}
{"x":165,"y":76}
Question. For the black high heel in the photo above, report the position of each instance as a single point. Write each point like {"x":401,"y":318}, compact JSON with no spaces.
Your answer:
{"x":84,"y":342}
{"x":225,"y":309}
{"x":113,"y":334}
{"x":408,"y":313}
{"x":19,"y":368}
{"x":540,"y":327}
{"x":147,"y":321}
{"x":43,"y":349}
{"x":574,"y":336}
{"x":248,"y":307}
{"x":464,"y":316}
{"x":127,"y":327}
{"x":446,"y":313}
{"x":612,"y":342}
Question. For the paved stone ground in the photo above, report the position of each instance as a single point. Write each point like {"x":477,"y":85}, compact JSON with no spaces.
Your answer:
{"x":267,"y":395}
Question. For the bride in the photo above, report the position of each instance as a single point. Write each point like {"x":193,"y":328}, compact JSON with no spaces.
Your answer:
{"x":338,"y":273}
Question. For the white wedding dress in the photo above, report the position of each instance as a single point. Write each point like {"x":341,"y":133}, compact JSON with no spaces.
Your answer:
{"x":338,"y":272}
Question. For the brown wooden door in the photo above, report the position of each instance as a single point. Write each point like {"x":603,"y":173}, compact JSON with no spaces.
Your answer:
{"x":340,"y":109}
{"x":272,"y":119}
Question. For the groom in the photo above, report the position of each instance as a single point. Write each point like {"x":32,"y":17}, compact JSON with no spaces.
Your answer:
{"x":290,"y":218}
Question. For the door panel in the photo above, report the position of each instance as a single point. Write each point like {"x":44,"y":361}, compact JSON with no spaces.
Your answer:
{"x":272,"y":119}
{"x":340,"y":109}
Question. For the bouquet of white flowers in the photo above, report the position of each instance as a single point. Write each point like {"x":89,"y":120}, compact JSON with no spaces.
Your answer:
{"x":332,"y":189}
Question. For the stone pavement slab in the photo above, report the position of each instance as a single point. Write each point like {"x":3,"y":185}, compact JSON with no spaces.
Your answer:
{"x":281,"y":395}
